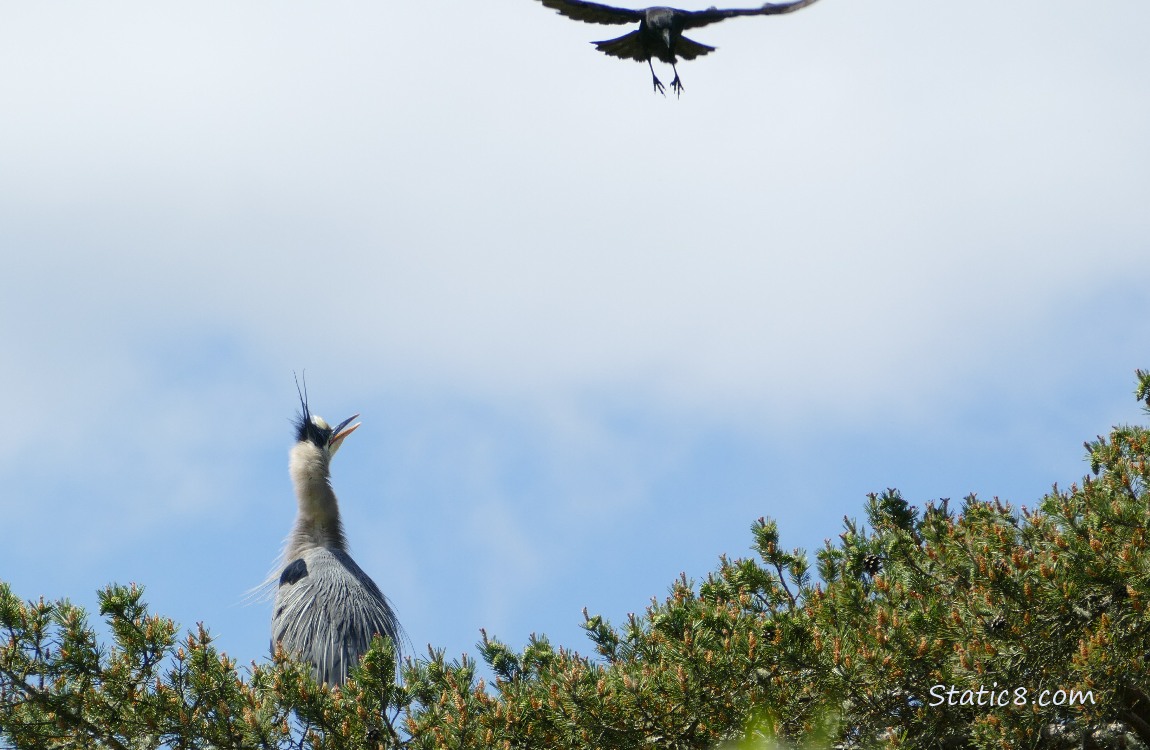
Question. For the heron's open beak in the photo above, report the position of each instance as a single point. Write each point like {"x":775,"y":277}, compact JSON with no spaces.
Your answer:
{"x":340,"y":432}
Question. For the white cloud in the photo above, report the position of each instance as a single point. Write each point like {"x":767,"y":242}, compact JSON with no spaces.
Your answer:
{"x":886,"y":191}
{"x":859,"y":214}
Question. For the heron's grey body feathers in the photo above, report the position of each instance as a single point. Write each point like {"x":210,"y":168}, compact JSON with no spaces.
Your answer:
{"x":327,"y":610}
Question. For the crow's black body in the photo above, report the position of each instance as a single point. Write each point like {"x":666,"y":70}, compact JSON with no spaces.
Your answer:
{"x":660,"y":32}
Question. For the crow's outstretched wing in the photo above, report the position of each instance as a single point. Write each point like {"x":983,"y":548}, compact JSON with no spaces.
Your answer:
{"x":581,"y":10}
{"x":695,"y":19}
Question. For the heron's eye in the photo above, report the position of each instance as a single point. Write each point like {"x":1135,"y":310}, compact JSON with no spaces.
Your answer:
{"x":314,"y":433}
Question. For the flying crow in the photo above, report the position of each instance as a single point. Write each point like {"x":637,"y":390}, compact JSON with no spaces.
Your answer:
{"x":660,"y":32}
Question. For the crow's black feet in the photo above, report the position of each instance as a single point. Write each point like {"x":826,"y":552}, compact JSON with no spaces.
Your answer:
{"x":677,"y":86}
{"x":659,"y":85}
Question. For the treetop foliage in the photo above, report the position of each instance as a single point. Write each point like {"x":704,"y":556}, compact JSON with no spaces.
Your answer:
{"x":969,"y":625}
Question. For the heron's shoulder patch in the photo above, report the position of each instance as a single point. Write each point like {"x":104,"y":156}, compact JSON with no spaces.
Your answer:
{"x":294,"y":571}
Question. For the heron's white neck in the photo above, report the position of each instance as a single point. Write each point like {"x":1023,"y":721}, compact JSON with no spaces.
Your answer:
{"x":317,"y":523}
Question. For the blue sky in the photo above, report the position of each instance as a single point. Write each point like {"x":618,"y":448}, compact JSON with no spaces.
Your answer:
{"x":593,"y":333}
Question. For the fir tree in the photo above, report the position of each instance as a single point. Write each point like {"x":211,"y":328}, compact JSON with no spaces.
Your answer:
{"x":923,"y":628}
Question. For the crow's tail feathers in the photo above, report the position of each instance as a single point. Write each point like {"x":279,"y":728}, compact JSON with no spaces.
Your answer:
{"x":689,"y":49}
{"x":629,"y":47}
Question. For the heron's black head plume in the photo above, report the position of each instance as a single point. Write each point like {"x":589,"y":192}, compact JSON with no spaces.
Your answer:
{"x":309,"y":428}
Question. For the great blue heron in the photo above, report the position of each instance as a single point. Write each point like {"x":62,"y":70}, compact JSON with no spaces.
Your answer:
{"x":327,"y":610}
{"x":660,"y":32}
